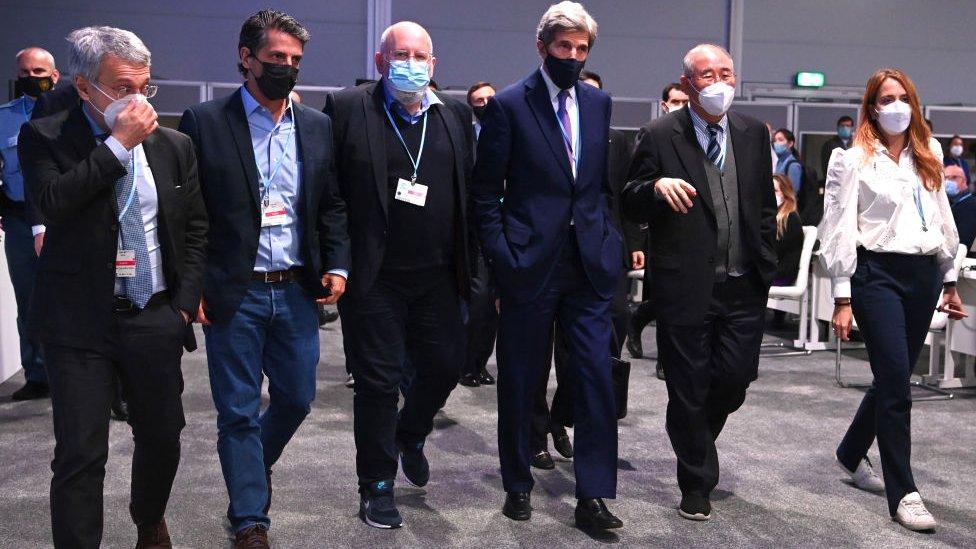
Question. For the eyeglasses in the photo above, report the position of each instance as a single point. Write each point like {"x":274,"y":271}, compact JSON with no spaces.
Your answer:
{"x":149,"y":91}
{"x":404,"y":55}
{"x":711,"y":77}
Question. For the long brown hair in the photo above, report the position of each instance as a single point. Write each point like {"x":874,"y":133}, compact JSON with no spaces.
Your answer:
{"x":928,"y":167}
{"x":788,"y":206}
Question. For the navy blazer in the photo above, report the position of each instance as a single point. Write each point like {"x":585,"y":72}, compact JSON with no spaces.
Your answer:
{"x":229,"y":183}
{"x":522,"y":158}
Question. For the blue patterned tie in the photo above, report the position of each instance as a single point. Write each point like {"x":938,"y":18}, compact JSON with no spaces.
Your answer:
{"x":563,"y":116}
{"x":714,"y":152}
{"x":138,"y":288}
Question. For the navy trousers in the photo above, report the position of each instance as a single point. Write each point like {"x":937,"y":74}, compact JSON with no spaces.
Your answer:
{"x":523,"y":337}
{"x":893,"y":297}
{"x":22,"y":263}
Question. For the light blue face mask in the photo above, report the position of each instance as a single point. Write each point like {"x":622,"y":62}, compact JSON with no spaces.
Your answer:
{"x":951,"y":187}
{"x":780,"y":148}
{"x":844,"y":132}
{"x":408,"y":76}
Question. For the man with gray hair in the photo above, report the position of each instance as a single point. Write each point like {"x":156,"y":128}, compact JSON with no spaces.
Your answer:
{"x":556,"y":256}
{"x":701,"y":179}
{"x":118,"y":280}
{"x":36,"y":75}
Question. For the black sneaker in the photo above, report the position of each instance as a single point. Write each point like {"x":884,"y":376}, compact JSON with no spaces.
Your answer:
{"x":414,"y":463}
{"x":32,"y":390}
{"x":695,"y":507}
{"x":377,"y":507}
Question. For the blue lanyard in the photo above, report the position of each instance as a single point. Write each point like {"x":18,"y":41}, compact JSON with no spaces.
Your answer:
{"x":423,"y":138}
{"x":918,"y":205}
{"x":132,"y":192}
{"x":574,"y":148}
{"x":273,"y":170}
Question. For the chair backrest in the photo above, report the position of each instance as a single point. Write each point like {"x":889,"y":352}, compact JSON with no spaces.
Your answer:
{"x":940,"y":319}
{"x":809,"y":239}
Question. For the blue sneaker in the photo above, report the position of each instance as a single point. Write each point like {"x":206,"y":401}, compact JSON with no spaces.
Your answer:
{"x":414,"y":463}
{"x":377,"y":507}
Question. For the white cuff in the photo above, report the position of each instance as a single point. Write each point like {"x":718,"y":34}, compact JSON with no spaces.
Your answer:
{"x":841,"y":287}
{"x":341,"y":272}
{"x":38,"y":229}
{"x":951,"y":275}
{"x":119,"y":151}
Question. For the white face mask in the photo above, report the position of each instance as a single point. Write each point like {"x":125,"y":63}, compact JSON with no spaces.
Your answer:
{"x":716,"y":98}
{"x":113,"y":109}
{"x":955,"y":150}
{"x":895,"y":117}
{"x":673,"y":108}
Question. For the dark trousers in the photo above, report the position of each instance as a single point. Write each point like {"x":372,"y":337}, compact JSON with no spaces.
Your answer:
{"x":708,"y":369}
{"x":274,"y":333}
{"x":545,"y":419}
{"x":143,"y":350}
{"x":483,"y":320}
{"x":620,"y":315}
{"x":408,"y":314}
{"x":893,"y":297}
{"x":523,"y":337}
{"x":22,"y":262}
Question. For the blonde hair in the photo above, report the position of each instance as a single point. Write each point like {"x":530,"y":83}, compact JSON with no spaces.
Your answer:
{"x":789,"y":203}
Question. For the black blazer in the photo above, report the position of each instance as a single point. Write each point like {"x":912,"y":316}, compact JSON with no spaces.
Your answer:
{"x":63,"y":97}
{"x":618,"y":163}
{"x":72,"y":183}
{"x":683,"y":246}
{"x":789,"y":247}
{"x":360,"y":150}
{"x":229,"y":183}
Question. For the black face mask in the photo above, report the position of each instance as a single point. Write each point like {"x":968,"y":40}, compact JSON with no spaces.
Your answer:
{"x":34,"y":86}
{"x":479,"y":111}
{"x":276,"y":81}
{"x":564,"y":72}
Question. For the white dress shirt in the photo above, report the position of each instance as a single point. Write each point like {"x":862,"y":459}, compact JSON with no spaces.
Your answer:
{"x":571,"y":109}
{"x":869,"y":202}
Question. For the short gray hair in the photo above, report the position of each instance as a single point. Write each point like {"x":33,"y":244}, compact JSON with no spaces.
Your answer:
{"x":565,"y":16}
{"x":688,"y":61}
{"x":90,"y":45}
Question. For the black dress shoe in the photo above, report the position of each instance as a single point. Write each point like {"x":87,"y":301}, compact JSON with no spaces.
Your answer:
{"x":560,"y":440}
{"x":543,"y":460}
{"x":469,"y":380}
{"x":120,"y":409}
{"x":32,"y":390}
{"x":634,"y":345}
{"x":659,"y":371}
{"x":485,"y":378}
{"x":593,"y":514}
{"x":518,"y":506}
{"x":327,"y":315}
{"x":695,"y":507}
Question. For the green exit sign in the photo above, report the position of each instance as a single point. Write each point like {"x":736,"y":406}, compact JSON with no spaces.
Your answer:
{"x":809,"y":79}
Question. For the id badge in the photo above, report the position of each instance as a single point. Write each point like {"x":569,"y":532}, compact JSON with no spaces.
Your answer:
{"x":411,"y":193}
{"x":273,"y":213}
{"x":125,"y":264}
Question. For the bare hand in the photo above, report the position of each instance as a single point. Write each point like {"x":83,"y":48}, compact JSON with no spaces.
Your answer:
{"x":201,"y":316}
{"x":185,"y":315}
{"x":678,"y":193}
{"x":637,"y":260}
{"x":336,"y":285}
{"x":951,"y":304}
{"x":134,"y":124}
{"x":842,"y":321}
{"x":38,"y":244}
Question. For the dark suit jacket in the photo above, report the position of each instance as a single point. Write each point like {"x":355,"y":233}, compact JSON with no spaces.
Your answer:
{"x":828,"y":147}
{"x":63,"y":97}
{"x":789,"y":248}
{"x":618,"y":157}
{"x":964,"y":214}
{"x":360,"y":150}
{"x":229,"y":182}
{"x":683,"y":245}
{"x":72,"y":183}
{"x":522,"y":157}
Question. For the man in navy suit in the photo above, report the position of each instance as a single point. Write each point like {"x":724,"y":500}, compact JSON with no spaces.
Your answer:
{"x":555,"y":255}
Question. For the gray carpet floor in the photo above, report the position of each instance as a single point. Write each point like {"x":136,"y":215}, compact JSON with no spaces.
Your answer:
{"x":779,"y":485}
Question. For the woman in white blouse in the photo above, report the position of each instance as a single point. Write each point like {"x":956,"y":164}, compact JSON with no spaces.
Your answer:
{"x":888,"y":241}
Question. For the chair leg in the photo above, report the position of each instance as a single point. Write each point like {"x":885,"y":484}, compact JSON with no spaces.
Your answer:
{"x":837,"y":375}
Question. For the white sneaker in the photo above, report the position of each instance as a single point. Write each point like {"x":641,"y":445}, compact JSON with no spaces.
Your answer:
{"x":913,"y":515}
{"x":864,"y":478}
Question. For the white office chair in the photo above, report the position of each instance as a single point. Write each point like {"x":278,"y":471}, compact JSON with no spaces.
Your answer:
{"x":636,"y":277}
{"x":796,"y":298}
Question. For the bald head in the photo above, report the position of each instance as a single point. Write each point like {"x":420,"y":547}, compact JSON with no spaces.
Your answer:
{"x":406,"y":42}
{"x":35,"y":65}
{"x":705,"y":54}
{"x":405,"y":35}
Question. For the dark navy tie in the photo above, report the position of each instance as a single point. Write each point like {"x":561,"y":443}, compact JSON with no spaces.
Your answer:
{"x":714,"y":152}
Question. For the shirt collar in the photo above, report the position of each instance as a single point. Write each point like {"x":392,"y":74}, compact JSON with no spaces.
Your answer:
{"x":553,"y":88}
{"x":251,"y":105}
{"x":429,"y":99}
{"x":700,"y":122}
{"x":95,"y":128}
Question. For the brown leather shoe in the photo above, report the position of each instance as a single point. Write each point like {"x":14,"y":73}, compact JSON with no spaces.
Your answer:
{"x":252,"y":537}
{"x":154,"y":536}
{"x":267,"y":506}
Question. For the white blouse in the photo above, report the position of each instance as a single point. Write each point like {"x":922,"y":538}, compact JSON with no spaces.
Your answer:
{"x":879,"y":205}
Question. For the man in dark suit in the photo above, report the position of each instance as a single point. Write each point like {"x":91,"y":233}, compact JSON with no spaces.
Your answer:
{"x":403,"y":156}
{"x":843,"y":140}
{"x":278,"y":244}
{"x":555,"y":254}
{"x":701,"y":179}
{"x":118,"y":278}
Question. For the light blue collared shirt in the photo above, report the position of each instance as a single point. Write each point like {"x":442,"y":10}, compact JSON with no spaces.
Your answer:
{"x":395,"y":107}
{"x":12,"y":117}
{"x":701,"y":132}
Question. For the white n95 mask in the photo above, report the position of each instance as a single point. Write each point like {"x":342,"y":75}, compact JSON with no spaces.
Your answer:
{"x":895,"y":117}
{"x":716,"y":98}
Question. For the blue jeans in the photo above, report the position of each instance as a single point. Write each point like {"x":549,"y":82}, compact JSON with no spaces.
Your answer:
{"x":22,"y":262}
{"x":275,"y":332}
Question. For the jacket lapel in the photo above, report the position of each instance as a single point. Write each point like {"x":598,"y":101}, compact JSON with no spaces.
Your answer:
{"x":237,"y":121}
{"x":743,"y":163}
{"x":590,"y":121}
{"x":692,"y":157}
{"x":537,"y":96}
{"x":309,"y":158}
{"x":79,"y":133}
{"x":373,"y":107}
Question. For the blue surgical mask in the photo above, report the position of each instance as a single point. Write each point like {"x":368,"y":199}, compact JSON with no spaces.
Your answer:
{"x":951,"y":187}
{"x":409,"y":76}
{"x":780,"y":148}
{"x":844,"y":132}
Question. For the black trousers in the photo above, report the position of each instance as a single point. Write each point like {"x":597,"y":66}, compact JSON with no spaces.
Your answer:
{"x":143,"y":350}
{"x":411,"y":315}
{"x":708,"y":368}
{"x":893,"y":296}
{"x":483,"y":320}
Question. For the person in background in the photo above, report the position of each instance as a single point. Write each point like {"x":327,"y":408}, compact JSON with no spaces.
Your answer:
{"x":21,"y":224}
{"x":954,"y":158}
{"x":673,"y":98}
{"x":955,"y":185}
{"x":888,"y":244}
{"x":478,"y":95}
{"x":963,"y":205}
{"x":841,"y":140}
{"x":787,"y":158}
{"x":789,"y":232}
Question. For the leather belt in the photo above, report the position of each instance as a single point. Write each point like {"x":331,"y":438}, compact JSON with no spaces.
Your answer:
{"x":123,"y":304}
{"x":276,"y":277}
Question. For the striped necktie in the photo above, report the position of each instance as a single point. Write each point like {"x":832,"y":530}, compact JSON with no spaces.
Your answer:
{"x":714,"y":152}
